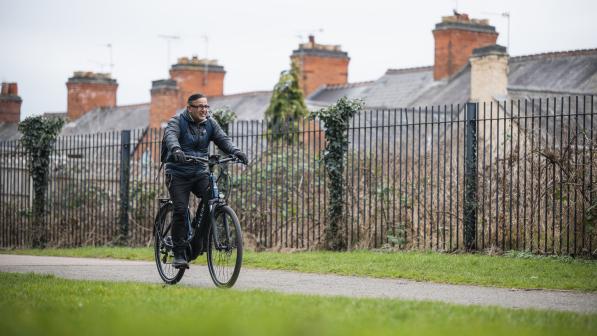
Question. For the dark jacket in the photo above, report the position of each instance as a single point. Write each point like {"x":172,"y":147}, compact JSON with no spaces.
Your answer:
{"x":194,"y":141}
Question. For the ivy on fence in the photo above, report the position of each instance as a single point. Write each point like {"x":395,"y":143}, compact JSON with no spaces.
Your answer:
{"x":39,"y":135}
{"x":336,"y":120}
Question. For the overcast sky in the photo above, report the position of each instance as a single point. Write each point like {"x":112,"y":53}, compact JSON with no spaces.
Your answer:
{"x":43,"y":42}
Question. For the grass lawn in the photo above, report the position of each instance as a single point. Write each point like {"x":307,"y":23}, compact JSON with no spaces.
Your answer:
{"x":44,"y":305}
{"x":515,"y":270}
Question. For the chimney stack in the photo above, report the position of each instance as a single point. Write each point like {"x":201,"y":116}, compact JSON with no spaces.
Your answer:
{"x":198,"y":75}
{"x":89,"y":90}
{"x":165,"y":99}
{"x":455,"y":38}
{"x":489,"y":73}
{"x":489,"y":82}
{"x":10,"y":104}
{"x":320,"y":64}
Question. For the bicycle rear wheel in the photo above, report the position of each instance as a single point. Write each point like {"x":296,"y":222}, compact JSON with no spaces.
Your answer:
{"x":163,"y":246}
{"x":224,"y":256}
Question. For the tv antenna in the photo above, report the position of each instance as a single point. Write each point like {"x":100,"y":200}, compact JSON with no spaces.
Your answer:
{"x":101,"y":65}
{"x":169,"y":39}
{"x":301,"y":37}
{"x":507,"y":16}
{"x":109,"y":46}
{"x":205,"y":65}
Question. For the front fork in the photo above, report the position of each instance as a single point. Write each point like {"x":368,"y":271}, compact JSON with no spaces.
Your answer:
{"x":213,"y":206}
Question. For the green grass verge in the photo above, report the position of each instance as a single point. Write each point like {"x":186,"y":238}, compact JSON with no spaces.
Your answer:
{"x":515,"y":270}
{"x":44,"y":305}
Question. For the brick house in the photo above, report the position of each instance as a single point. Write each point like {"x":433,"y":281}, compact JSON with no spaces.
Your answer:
{"x":468,"y":65}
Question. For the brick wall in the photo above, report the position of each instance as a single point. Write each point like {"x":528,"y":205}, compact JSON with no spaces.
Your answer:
{"x":10,"y":103}
{"x":190,"y":76}
{"x":455,"y":39}
{"x":87,"y":90}
{"x":165,"y":99}
{"x":319,"y":70}
{"x":320,"y":64}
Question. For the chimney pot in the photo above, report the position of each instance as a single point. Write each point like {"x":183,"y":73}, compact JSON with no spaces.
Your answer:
{"x":4,"y":89}
{"x":311,"y":39}
{"x":13,"y":89}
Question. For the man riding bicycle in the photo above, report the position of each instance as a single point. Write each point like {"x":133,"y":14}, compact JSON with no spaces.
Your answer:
{"x":189,"y":134}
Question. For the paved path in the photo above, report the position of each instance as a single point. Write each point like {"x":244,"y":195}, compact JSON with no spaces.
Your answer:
{"x":305,"y":283}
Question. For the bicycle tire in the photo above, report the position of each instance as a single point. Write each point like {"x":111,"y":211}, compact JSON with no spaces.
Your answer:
{"x":162,"y":252}
{"x":224,"y":264}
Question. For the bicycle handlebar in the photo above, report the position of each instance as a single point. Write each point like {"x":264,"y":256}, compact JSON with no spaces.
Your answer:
{"x":209,"y":161}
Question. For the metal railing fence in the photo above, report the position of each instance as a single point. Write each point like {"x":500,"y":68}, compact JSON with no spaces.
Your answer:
{"x":506,"y":175}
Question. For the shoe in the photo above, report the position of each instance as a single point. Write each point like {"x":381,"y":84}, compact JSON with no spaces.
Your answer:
{"x":180,"y":260}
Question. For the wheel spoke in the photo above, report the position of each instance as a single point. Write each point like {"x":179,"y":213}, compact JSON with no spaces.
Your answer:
{"x":224,"y":260}
{"x":163,"y":253}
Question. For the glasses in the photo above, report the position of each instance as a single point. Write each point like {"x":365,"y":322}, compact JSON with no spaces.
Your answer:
{"x":199,"y":106}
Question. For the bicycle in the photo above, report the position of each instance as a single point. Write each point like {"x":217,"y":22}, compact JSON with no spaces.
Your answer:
{"x":224,"y":242}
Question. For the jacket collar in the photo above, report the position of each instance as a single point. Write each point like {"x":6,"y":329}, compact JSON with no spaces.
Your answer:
{"x":187,"y":115}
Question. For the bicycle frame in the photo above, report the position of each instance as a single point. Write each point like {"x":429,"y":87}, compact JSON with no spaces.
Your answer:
{"x":217,"y":199}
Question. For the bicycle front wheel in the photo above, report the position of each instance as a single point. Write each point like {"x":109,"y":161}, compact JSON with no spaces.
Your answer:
{"x":225,"y":247}
{"x":163,"y":246}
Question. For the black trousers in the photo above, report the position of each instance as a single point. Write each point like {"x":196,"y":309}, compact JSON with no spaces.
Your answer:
{"x":180,"y":189}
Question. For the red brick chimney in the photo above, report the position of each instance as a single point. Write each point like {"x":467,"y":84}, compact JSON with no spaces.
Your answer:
{"x":455,"y":38}
{"x":320,"y":64}
{"x":198,"y":75}
{"x":88,"y":90}
{"x":165,"y":99}
{"x":10,"y":103}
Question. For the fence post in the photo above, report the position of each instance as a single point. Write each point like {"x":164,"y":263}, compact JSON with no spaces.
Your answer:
{"x":470,"y":177}
{"x":125,"y":156}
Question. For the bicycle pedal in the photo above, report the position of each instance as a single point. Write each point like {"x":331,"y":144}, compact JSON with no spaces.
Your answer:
{"x":181,"y":266}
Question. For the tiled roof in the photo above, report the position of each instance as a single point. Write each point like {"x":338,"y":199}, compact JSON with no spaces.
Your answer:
{"x":565,"y":72}
{"x":247,"y":106}
{"x":558,"y":73}
{"x":396,"y":88}
{"x":9,"y":131}
{"x":328,"y":94}
{"x":110,"y":119}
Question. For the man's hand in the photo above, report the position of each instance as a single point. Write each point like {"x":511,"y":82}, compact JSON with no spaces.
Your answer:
{"x":178,"y":155}
{"x":242,"y":157}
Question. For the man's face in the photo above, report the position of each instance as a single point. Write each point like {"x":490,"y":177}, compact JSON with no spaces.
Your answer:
{"x":198,"y":109}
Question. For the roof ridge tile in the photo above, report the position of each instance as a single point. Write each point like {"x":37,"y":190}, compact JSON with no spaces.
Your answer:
{"x":409,"y":70}
{"x":565,"y":53}
{"x":347,"y":85}
{"x":240,"y":94}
